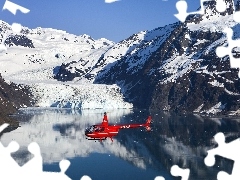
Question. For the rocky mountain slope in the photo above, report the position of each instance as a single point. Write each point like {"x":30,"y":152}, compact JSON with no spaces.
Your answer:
{"x":169,"y":68}
{"x":34,"y":57}
{"x":183,"y":72}
{"x":12,"y":97}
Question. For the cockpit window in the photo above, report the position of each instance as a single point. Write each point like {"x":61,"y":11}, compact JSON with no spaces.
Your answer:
{"x":94,"y":128}
{"x":99,"y":129}
{"x":90,"y":129}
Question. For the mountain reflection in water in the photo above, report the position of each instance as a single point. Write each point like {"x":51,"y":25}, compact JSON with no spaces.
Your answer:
{"x":133,"y":154}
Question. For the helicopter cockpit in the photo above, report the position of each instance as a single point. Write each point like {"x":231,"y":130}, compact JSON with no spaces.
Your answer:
{"x":93,"y":129}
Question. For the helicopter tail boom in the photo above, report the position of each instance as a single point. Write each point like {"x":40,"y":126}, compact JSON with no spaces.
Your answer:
{"x":146,"y":125}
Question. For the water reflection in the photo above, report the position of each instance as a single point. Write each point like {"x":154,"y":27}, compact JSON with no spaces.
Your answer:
{"x":174,"y":139}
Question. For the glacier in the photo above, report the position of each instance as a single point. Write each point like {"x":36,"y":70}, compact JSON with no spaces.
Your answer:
{"x":34,"y":62}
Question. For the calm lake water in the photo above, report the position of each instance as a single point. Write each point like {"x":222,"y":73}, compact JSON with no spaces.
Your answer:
{"x":134,"y":153}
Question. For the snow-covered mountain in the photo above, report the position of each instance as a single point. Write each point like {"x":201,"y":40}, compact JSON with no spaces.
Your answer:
{"x":34,"y":57}
{"x":169,"y":68}
{"x":182,"y":72}
{"x":44,"y":49}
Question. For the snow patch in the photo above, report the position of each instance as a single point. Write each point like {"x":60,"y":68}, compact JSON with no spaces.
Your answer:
{"x":216,"y":83}
{"x":198,"y":109}
{"x":219,"y":107}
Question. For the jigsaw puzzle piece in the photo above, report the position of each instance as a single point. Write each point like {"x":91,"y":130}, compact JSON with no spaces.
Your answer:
{"x":236,"y":16}
{"x":28,"y":174}
{"x":221,"y":51}
{"x":12,"y":147}
{"x":176,"y":171}
{"x":228,"y":150}
{"x":223,"y":176}
{"x":231,"y":43}
{"x":3,"y":126}
{"x":182,"y":6}
{"x":157,"y":178}
{"x":182,"y":10}
{"x":35,"y":164}
{"x":64,"y":165}
{"x":5,"y":152}
{"x":224,"y":51}
{"x":234,"y":176}
{"x":221,"y":6}
{"x":33,"y":169}
{"x":88,"y":178}
{"x":12,"y":7}
{"x":54,"y":175}
{"x":16,"y":27}
{"x":7,"y":163}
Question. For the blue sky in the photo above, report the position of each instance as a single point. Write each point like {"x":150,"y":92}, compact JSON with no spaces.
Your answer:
{"x":115,"y":21}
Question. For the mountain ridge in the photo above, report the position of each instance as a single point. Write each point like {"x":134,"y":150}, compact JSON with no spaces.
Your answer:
{"x":36,"y":67}
{"x":174,"y":67}
{"x":174,"y":76}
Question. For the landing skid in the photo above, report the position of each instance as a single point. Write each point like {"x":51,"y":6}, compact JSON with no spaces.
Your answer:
{"x":95,"y":139}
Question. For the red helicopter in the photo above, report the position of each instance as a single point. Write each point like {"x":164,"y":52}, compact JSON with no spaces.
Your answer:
{"x":103,"y":131}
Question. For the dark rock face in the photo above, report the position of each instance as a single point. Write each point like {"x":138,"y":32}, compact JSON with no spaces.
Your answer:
{"x":203,"y":81}
{"x":12,"y":97}
{"x":63,"y":74}
{"x":11,"y":39}
{"x":194,"y":88}
{"x":177,"y":70}
{"x":19,"y":40}
{"x":68,"y":71}
{"x":201,"y":88}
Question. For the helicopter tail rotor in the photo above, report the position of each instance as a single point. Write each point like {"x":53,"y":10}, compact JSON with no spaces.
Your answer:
{"x":147,"y":125}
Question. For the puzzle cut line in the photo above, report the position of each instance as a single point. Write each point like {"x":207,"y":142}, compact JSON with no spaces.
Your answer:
{"x":228,"y":150}
{"x":182,"y":7}
{"x":222,"y":51}
{"x":16,"y":27}
{"x":177,"y":171}
{"x":33,"y":169}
